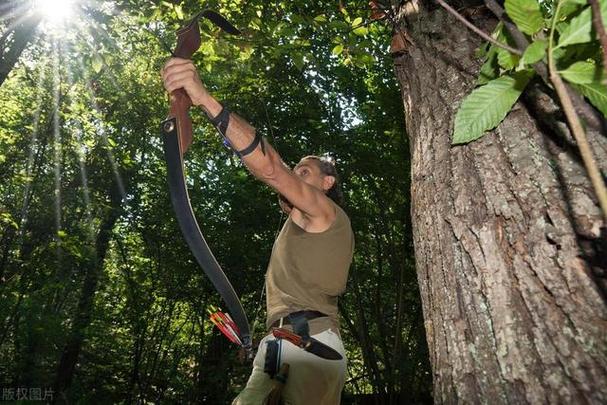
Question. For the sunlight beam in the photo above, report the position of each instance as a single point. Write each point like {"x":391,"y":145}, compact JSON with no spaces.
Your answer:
{"x":30,"y":158}
{"x":57,"y":151}
{"x":80,"y":149}
{"x":101,"y":132}
{"x":55,"y":12}
{"x":98,"y":123}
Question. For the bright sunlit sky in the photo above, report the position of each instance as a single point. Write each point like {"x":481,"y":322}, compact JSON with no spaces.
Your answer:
{"x":55,"y":11}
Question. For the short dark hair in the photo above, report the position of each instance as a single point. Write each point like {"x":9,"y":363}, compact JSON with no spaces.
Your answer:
{"x":327,"y":167}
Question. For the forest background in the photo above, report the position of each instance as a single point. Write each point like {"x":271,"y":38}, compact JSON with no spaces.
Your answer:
{"x":92,"y":261}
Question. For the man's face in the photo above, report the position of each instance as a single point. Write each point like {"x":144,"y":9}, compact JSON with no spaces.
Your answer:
{"x":310,"y":173}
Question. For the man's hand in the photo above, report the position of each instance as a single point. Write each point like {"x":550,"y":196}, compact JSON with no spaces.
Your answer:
{"x":180,"y":73}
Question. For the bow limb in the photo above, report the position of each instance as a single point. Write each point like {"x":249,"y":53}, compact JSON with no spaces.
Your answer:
{"x":177,"y":137}
{"x":191,"y":231}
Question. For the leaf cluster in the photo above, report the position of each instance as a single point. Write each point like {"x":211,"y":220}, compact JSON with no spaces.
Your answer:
{"x":504,"y":76}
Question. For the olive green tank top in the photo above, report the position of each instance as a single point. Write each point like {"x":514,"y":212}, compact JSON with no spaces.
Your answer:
{"x":308,"y":271}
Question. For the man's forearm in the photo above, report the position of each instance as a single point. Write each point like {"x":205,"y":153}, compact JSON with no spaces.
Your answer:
{"x":241,"y":135}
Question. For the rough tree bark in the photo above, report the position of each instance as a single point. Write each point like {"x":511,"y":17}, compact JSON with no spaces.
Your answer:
{"x":507,"y":234}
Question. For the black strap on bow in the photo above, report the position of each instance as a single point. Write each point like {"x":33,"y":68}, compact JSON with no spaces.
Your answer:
{"x":177,"y":136}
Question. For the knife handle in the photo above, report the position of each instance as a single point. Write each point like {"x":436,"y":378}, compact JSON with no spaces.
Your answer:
{"x":282,"y":333}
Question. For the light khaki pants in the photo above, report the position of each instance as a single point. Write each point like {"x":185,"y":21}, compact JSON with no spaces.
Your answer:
{"x":312,"y":380}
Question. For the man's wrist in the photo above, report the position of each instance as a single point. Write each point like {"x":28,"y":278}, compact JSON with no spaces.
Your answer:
{"x":210,"y":105}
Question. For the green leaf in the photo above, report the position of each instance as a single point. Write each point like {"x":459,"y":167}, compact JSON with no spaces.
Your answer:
{"x":506,"y":59}
{"x":97,"y":63}
{"x":298,"y":60}
{"x":179,"y":11}
{"x":596,"y":93}
{"x":337,"y":50}
{"x":582,"y":72}
{"x":357,"y":21}
{"x":363,"y":59}
{"x":535,"y":52}
{"x":487,"y":106}
{"x":7,"y":219}
{"x":361,"y":31}
{"x":526,"y":15}
{"x":297,"y":19}
{"x":578,"y":31}
{"x":490,"y":69}
{"x":483,"y":50}
{"x":320,"y":18}
{"x":569,"y":7}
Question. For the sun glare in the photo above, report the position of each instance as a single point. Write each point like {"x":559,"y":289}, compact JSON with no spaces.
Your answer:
{"x":56,"y":12}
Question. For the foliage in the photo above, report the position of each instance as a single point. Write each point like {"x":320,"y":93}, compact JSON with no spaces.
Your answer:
{"x":580,"y":65}
{"x":487,"y":106}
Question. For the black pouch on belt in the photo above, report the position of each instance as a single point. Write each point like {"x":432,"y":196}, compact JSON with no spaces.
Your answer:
{"x":271,"y":360}
{"x":300,"y":327}
{"x":300,"y":324}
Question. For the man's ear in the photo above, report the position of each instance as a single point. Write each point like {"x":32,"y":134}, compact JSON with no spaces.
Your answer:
{"x":328,"y":182}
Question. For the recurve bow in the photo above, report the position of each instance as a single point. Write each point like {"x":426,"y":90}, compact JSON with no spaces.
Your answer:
{"x":177,"y":136}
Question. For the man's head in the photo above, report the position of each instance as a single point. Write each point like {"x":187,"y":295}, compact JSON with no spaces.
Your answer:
{"x":320,"y":172}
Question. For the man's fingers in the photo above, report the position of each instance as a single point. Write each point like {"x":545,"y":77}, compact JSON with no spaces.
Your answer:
{"x":176,"y":61}
{"x":180,"y":73}
{"x":177,"y":80}
{"x":177,"y":70}
{"x":176,"y":65}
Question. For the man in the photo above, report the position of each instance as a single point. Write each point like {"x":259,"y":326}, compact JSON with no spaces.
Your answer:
{"x":310,"y":260}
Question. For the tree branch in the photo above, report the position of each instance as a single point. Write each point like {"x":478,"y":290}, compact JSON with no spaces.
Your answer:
{"x":480,"y":32}
{"x":597,"y":23}
{"x":575,"y":125}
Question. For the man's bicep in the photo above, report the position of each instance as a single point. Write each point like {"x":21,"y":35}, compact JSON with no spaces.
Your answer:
{"x":269,"y":168}
{"x":300,"y":194}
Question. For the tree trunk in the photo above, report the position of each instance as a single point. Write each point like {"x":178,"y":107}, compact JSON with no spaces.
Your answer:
{"x":507,"y":236}
{"x":213,"y":366}
{"x":82,"y":318}
{"x":14,"y":40}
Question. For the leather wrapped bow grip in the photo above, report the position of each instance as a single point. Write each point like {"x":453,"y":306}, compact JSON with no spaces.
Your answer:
{"x":188,"y":42}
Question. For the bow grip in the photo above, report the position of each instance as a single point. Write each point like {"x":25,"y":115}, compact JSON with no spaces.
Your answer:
{"x":188,"y":42}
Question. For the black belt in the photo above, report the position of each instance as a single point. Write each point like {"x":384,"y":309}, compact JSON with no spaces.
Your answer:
{"x":308,"y":315}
